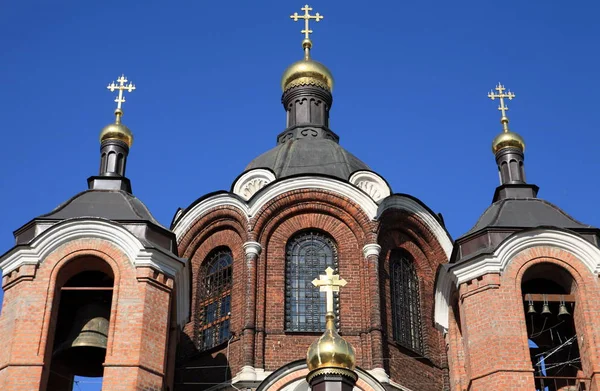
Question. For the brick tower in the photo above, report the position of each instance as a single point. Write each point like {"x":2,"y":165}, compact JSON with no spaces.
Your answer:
{"x":91,"y":287}
{"x":518,"y":296}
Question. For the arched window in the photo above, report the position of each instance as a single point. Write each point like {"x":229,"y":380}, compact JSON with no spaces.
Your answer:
{"x":214,"y":299}
{"x":307,"y":256}
{"x":406,"y":303}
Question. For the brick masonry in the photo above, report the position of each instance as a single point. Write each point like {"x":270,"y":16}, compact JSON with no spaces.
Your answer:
{"x":351,"y":229}
{"x":487,"y":337}
{"x":139,"y":320}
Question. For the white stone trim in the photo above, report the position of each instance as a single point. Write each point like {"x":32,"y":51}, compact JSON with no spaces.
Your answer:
{"x":52,"y":238}
{"x":497,"y":262}
{"x":372,"y":184}
{"x":366,"y":203}
{"x":251,"y":182}
{"x":371,"y":249}
{"x":404,"y":203}
{"x":217,"y":200}
{"x":252,"y":248}
{"x":379,"y":374}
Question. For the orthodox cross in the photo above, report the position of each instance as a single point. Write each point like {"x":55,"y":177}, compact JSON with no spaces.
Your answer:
{"x":329,"y":283}
{"x":122,"y":80}
{"x":502,"y":107}
{"x":307,"y":17}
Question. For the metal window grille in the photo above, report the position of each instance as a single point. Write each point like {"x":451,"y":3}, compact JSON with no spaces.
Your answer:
{"x":308,"y":254}
{"x":406,"y":304}
{"x":214,"y":300}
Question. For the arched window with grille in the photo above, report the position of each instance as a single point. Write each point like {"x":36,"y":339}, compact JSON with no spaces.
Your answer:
{"x":308,"y":254}
{"x":214,"y":299}
{"x":406,"y":303}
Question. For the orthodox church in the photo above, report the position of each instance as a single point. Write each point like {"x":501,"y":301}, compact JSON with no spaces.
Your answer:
{"x":310,"y":272}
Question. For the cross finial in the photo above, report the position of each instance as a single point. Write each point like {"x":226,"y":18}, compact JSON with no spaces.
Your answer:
{"x":307,"y":43}
{"x":329,"y":283}
{"x":120,"y":99}
{"x":502,"y":107}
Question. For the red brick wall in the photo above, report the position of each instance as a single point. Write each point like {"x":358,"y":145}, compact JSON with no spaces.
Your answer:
{"x":351,"y":229}
{"x":138,"y":323}
{"x":494,"y":329}
{"x":400,"y":230}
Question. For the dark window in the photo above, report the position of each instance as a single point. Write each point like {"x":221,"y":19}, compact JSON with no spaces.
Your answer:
{"x":214,"y":299}
{"x":406,"y":304}
{"x":308,"y":254}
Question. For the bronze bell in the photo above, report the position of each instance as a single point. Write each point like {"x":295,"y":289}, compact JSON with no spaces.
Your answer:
{"x":563,"y":311}
{"x":84,"y":350}
{"x":531,"y":309}
{"x":546,"y":310}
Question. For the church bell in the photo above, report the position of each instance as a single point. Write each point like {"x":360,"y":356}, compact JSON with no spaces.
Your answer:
{"x":562,"y":309}
{"x":84,"y":350}
{"x":531,"y":309}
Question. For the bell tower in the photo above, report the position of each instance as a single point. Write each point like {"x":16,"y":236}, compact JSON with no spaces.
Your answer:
{"x":94,"y":288}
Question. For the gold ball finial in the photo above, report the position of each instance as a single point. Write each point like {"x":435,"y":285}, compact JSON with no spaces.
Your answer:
{"x":330,"y":350}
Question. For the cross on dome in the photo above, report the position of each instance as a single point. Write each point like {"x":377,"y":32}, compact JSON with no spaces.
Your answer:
{"x":502,"y":107}
{"x":329,"y":283}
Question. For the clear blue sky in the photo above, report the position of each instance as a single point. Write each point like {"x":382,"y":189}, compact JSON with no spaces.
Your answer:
{"x":410,"y":96}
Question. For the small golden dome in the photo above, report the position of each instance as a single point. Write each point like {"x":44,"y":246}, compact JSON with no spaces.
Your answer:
{"x":117,"y":131}
{"x":330,"y":350}
{"x":307,"y":72}
{"x":508,"y":139}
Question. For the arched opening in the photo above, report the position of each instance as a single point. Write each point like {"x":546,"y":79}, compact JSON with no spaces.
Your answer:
{"x":81,"y":327}
{"x":549,"y":302}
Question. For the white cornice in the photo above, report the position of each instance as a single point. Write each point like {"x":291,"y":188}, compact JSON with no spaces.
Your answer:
{"x":52,"y":238}
{"x":497,"y":262}
{"x":363,"y":200}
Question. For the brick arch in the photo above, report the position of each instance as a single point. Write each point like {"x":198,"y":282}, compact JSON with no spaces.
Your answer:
{"x":65,"y":262}
{"x":410,"y":225}
{"x":318,"y":201}
{"x":215,"y":219}
{"x":587,"y":294}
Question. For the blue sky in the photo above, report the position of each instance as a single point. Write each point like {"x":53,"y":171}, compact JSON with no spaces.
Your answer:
{"x":410,"y":96}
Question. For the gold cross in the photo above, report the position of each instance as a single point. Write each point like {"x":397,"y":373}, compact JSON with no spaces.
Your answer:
{"x":307,"y":17}
{"x":329,"y":283}
{"x":121,"y":87}
{"x":502,"y":107}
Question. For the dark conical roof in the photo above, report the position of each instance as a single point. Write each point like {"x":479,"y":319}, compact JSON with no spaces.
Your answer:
{"x":525,"y":213}
{"x":116,"y":205}
{"x":309,"y":156}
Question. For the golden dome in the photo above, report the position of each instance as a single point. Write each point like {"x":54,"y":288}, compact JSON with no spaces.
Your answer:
{"x":508,"y":139}
{"x":307,"y":72}
{"x":117,"y":131}
{"x":330,"y":350}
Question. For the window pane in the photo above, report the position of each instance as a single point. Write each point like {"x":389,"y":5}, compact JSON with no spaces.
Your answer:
{"x":307,"y":256}
{"x":214,"y":300}
{"x":405,"y":302}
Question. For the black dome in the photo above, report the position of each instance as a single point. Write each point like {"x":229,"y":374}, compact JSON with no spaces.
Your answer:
{"x":309,"y":156}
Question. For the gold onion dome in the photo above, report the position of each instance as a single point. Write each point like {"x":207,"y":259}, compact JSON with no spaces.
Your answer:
{"x":330,"y":351}
{"x":117,"y":131}
{"x":508,"y":140}
{"x":307,"y":72}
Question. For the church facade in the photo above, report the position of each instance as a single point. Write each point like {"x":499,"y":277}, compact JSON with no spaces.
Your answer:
{"x":223,"y":299}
